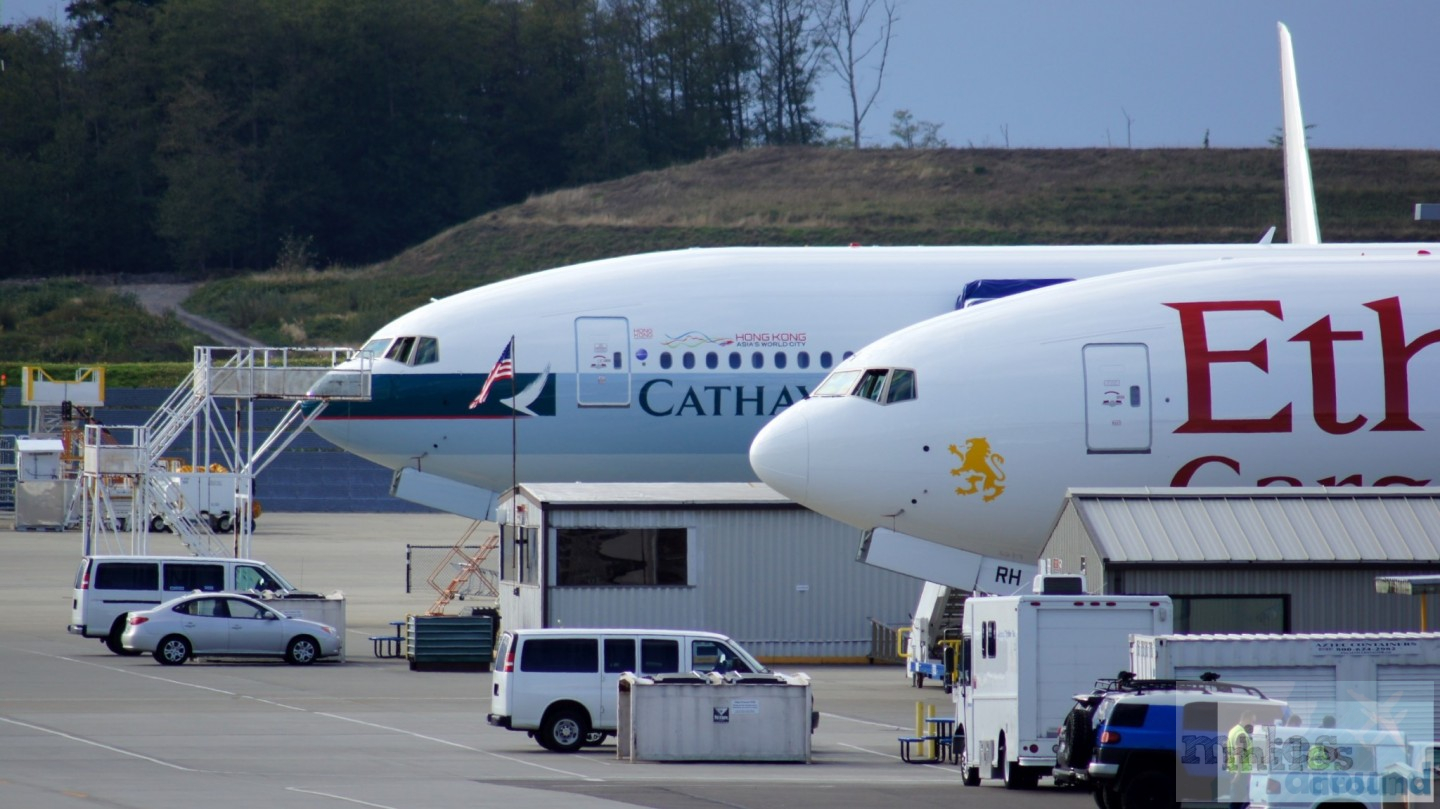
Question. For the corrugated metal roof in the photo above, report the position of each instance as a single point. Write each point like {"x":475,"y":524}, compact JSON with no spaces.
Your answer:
{"x":1334,"y":524}
{"x":1304,"y":636}
{"x":652,"y":494}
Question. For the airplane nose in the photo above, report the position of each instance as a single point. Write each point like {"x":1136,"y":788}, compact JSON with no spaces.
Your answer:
{"x":780,"y":455}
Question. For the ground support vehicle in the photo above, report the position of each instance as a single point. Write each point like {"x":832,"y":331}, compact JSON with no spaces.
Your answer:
{"x":1022,"y":660}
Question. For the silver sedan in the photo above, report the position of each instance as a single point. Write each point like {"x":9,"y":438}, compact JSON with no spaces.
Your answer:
{"x":226,"y":625}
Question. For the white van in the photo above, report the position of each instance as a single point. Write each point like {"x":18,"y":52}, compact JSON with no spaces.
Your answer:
{"x":108,"y":587}
{"x":561,"y":685}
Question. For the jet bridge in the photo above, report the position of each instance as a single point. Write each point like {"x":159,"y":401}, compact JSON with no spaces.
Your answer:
{"x":208,"y":501}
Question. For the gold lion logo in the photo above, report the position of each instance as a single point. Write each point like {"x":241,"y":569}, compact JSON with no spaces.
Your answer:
{"x":979,"y":467}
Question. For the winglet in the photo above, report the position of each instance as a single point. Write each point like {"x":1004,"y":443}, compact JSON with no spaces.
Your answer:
{"x":1302,"y":220}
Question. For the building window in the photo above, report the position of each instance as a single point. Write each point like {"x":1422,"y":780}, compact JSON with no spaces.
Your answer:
{"x":611,"y":557}
{"x":517,"y":554}
{"x":1231,"y":614}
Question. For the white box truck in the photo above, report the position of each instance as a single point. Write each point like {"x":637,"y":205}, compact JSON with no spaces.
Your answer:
{"x":1022,"y":660}
{"x":1391,"y":675}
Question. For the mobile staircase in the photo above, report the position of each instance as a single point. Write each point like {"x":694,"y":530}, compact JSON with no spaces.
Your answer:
{"x":224,"y":455}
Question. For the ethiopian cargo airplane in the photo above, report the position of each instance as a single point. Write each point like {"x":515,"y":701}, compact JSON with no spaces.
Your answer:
{"x":663,"y":366}
{"x":966,"y":430}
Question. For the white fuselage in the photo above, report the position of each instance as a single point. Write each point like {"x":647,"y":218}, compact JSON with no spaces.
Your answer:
{"x":1266,"y":372}
{"x":664,"y":366}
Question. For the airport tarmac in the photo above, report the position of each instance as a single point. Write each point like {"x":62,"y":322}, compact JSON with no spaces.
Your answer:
{"x":80,"y":727}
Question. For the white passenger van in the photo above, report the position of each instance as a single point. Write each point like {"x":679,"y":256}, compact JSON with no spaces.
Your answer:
{"x":108,"y":587}
{"x":561,"y":685}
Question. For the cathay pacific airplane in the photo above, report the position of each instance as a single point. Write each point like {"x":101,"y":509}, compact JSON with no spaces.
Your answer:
{"x":663,"y":366}
{"x":966,"y":430}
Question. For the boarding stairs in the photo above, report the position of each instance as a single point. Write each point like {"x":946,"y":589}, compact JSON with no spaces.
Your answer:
{"x":221,"y":443}
{"x":468,"y":567}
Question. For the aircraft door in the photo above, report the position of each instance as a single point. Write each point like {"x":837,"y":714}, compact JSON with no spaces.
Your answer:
{"x":1117,"y":397}
{"x":602,"y":365}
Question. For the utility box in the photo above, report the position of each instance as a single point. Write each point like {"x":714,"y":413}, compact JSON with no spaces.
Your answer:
{"x":698,"y":717}
{"x":42,"y":493}
{"x":450,"y":642}
{"x":325,"y":609}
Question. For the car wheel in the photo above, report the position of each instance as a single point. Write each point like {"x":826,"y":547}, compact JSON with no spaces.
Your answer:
{"x":1149,"y":790}
{"x":1106,"y":797}
{"x":595,"y":738}
{"x":112,"y":640}
{"x":224,"y":523}
{"x":563,"y":730}
{"x":302,"y":651}
{"x":172,"y":651}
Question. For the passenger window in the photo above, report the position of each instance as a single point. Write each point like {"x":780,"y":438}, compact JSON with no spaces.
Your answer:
{"x":244,"y":609}
{"x":902,"y":386}
{"x":205,"y":608}
{"x":400,"y":351}
{"x":659,"y":656}
{"x":575,"y":655}
{"x":735,"y":359}
{"x":127,"y":576}
{"x":757,"y":360}
{"x":712,"y":360}
{"x":251,"y":578}
{"x":665,"y":360}
{"x":182,"y":577}
{"x":803,"y":359}
{"x":780,"y":359}
{"x":427,"y":351}
{"x":847,"y":355}
{"x":619,"y":655}
{"x":825,"y":359}
{"x":688,"y":360}
{"x":708,"y":655}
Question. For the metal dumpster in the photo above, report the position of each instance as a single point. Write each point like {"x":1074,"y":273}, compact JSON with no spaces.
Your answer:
{"x":710,"y":717}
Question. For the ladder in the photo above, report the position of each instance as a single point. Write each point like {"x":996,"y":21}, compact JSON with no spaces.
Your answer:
{"x":470,"y":567}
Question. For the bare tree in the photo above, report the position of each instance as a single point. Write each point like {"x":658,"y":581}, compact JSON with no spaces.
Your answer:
{"x":845,"y":48}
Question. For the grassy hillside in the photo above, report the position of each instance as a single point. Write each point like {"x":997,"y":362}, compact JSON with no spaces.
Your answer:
{"x":820,"y":196}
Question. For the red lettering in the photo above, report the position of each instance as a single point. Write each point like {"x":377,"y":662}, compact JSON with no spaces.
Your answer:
{"x":1397,"y":354}
{"x":1186,"y":474}
{"x":1322,"y":339}
{"x":1199,"y":357}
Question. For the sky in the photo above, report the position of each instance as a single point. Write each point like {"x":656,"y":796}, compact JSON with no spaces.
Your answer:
{"x":1140,"y":73}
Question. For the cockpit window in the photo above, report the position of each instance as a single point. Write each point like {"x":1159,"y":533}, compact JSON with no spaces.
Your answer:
{"x":426,"y":351}
{"x":902,"y":386}
{"x":871,"y":384}
{"x":400,"y":350}
{"x":839,"y":383}
{"x":376,"y":347}
{"x":409,"y":350}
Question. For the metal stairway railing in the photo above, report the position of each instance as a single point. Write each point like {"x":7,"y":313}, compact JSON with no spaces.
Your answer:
{"x":173,"y":416}
{"x":192,"y":530}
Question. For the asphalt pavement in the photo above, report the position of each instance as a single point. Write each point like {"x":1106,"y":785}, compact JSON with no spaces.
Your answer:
{"x":80,"y":727}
